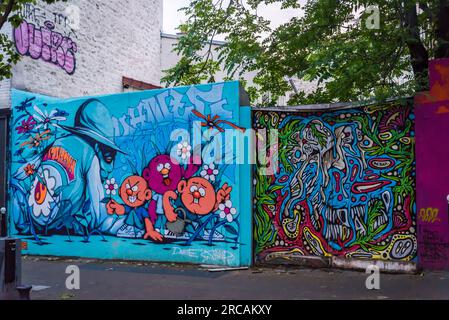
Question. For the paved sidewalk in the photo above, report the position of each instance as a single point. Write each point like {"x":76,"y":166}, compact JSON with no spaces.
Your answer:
{"x":120,"y":280}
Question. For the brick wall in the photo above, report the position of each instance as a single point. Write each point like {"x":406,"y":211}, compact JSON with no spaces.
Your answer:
{"x":113,"y":39}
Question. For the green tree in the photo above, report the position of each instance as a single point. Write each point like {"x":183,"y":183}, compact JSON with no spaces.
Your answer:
{"x":332,"y":43}
{"x":10,"y":11}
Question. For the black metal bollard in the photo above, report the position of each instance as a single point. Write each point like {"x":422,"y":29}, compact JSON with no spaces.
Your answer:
{"x":3,"y":231}
{"x":24,"y":292}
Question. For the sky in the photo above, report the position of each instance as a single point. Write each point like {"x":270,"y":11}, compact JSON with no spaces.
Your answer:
{"x":272,"y":12}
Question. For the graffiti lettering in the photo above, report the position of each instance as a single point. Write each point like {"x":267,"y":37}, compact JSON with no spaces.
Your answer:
{"x":39,"y":15}
{"x":62,"y":157}
{"x":45,"y":44}
{"x":170,"y":105}
{"x":33,"y":13}
{"x":205,"y":256}
{"x":429,"y":215}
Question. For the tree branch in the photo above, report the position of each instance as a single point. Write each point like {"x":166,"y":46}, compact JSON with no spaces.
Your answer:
{"x":425,"y":8}
{"x":214,"y":33}
{"x":8,"y":10}
{"x":442,"y":30}
{"x":418,"y":53}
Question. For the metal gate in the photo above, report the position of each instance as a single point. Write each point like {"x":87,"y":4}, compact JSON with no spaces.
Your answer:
{"x":4,"y":151}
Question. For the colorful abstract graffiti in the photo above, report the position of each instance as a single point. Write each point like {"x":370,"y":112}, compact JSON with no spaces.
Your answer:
{"x":344,"y":185}
{"x":120,"y":177}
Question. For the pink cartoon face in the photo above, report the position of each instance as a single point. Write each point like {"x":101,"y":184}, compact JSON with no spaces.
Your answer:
{"x":162,"y":174}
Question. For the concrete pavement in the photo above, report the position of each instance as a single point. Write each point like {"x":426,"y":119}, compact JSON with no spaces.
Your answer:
{"x":123,"y":280}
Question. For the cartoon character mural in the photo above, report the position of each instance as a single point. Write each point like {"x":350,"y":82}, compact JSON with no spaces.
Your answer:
{"x":122,"y":167}
{"x":135,"y":193}
{"x":200,"y":199}
{"x":344,"y":186}
{"x":58,"y":186}
{"x":163,"y":175}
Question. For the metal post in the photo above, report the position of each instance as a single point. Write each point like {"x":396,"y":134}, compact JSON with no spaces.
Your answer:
{"x":11,"y":277}
{"x":3,"y":224}
{"x":24,"y":292}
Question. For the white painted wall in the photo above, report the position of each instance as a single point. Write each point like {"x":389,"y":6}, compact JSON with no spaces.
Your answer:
{"x":115,"y":38}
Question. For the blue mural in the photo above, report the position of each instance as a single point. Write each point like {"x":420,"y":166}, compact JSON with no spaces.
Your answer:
{"x":131,"y":176}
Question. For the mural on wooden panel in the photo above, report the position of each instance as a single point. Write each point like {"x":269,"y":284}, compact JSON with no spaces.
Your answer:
{"x":123,"y":167}
{"x":344,"y":185}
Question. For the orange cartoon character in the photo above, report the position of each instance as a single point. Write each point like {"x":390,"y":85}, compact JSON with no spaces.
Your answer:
{"x":135,"y":194}
{"x":200,"y":199}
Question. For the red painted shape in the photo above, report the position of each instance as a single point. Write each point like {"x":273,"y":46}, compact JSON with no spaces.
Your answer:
{"x":365,"y":187}
{"x":337,"y":181}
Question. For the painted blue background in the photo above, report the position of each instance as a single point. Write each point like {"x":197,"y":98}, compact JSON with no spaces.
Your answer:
{"x":143,"y":122}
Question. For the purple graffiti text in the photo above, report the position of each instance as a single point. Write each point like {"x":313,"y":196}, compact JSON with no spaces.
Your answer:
{"x":46,"y":44}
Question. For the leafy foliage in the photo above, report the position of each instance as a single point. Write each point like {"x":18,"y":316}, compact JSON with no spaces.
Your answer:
{"x":329,"y":44}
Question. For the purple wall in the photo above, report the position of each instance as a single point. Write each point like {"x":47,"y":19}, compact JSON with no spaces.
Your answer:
{"x":432,"y":169}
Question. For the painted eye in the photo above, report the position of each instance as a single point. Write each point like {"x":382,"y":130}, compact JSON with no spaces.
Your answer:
{"x":193,"y":188}
{"x":367,"y":143}
{"x":406,"y":140}
{"x":167,"y":166}
{"x":135,"y":188}
{"x":128,"y":186}
{"x":160,"y":167}
{"x":202,"y":192}
{"x":385,"y":136}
